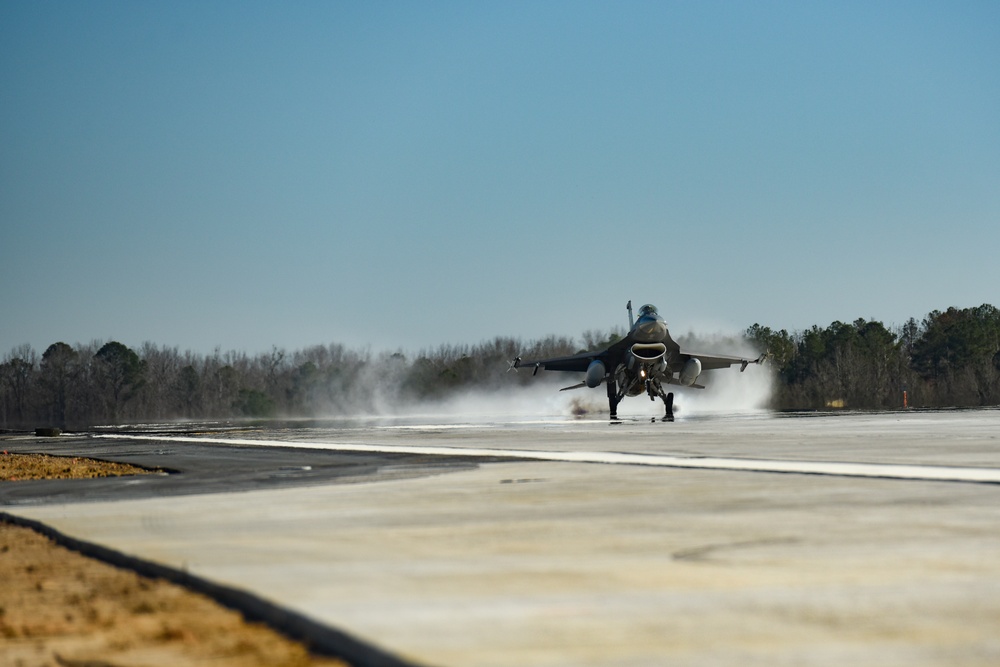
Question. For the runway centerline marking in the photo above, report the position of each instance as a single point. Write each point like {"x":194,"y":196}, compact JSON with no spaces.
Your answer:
{"x":839,"y":469}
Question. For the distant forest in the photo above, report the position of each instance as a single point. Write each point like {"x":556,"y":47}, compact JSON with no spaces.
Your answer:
{"x":949,"y":359}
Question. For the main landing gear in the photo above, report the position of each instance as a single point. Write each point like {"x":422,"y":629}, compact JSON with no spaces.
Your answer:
{"x":613,"y":397}
{"x":668,"y":402}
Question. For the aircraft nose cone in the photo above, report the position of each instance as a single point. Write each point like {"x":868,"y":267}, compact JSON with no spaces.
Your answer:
{"x":650,"y":329}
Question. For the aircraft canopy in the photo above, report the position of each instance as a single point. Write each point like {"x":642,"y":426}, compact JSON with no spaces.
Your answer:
{"x":648,"y":309}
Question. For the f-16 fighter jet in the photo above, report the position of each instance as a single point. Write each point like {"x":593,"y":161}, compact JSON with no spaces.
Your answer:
{"x":642,"y":362}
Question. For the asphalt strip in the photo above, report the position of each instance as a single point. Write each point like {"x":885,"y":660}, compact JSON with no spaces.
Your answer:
{"x":840,"y":469}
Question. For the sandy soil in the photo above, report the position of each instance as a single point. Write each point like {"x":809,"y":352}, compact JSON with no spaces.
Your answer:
{"x":17,"y":467}
{"x":58,"y":607}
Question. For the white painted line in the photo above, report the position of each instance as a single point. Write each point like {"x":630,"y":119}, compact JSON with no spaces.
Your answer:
{"x":880,"y":470}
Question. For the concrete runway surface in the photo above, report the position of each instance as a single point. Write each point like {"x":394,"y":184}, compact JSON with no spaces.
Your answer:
{"x":840,"y":542}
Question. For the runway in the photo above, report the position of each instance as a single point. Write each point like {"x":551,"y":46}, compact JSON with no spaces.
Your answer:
{"x":888,"y":471}
{"x":748,"y":539}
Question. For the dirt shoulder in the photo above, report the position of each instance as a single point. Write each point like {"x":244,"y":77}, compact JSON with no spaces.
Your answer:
{"x":19,"y":467}
{"x":58,"y":607}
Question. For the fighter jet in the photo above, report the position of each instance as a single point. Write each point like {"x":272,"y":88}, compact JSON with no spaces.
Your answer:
{"x":643,"y":361}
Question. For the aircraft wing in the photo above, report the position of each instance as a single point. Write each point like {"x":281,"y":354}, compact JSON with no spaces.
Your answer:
{"x":611,"y":356}
{"x":713,"y":361}
{"x":576,"y":362}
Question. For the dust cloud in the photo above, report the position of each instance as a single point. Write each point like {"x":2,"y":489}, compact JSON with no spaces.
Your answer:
{"x":727,"y":392}
{"x":378,"y":392}
{"x":542,"y":401}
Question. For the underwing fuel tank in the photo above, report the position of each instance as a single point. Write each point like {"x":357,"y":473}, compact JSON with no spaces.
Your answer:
{"x":595,"y":373}
{"x":690,"y":372}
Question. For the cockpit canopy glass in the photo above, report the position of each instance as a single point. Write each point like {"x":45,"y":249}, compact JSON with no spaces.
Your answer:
{"x":648,"y":309}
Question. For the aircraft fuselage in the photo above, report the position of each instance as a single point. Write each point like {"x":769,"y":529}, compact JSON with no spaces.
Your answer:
{"x":649,"y":328}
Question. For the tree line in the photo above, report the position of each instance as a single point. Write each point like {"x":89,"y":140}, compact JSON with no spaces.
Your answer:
{"x":110,"y":383}
{"x":950,"y":358}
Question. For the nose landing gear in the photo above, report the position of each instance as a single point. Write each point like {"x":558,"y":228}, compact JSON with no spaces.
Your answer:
{"x":653,"y":388}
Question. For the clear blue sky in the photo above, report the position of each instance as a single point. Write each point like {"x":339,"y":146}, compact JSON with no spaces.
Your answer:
{"x":406,"y":174}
